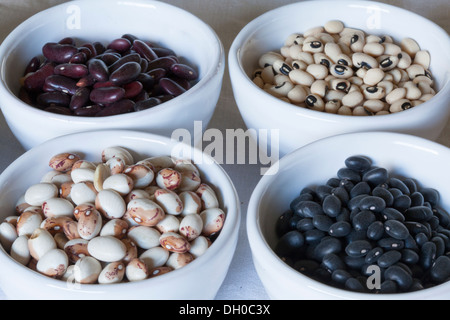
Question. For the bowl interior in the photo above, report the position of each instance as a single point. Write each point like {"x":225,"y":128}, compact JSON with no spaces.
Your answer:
{"x":87,"y":21}
{"x":269,"y":31}
{"x":403,"y":155}
{"x":30,"y":167}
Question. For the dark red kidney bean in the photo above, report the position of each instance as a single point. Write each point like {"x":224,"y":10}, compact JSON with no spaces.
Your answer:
{"x":107,"y":95}
{"x":165,"y":98}
{"x":120,"y":45}
{"x":171,"y":87}
{"x":67,"y":40}
{"x":143,"y":95}
{"x":129,"y":37}
{"x":89,"y":54}
{"x":118,"y":107}
{"x":53,"y":98}
{"x":184,"y":71}
{"x":132,"y":89}
{"x":144,"y":65}
{"x":35,"y":81}
{"x":164,"y":63}
{"x":88,"y":111}
{"x":80,"y":98}
{"x":157,"y":73}
{"x":72,"y":70}
{"x":103,"y":84}
{"x":98,"y":70}
{"x":91,"y":49}
{"x":147,"y":81}
{"x":99,"y":47}
{"x":134,"y":57}
{"x":86,"y":81}
{"x":109,"y":58}
{"x":26,"y":96}
{"x":144,"y":50}
{"x":146,"y":104}
{"x":182,"y":82}
{"x":79,"y":57}
{"x":125,"y":74}
{"x":60,"y":83}
{"x":59,"y":53}
{"x":33,"y":65}
{"x":58,"y":110}
{"x":163,"y":52}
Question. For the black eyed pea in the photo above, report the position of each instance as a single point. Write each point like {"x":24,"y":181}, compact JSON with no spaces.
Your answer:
{"x":312,"y":45}
{"x":318,"y":71}
{"x":285,"y":52}
{"x":334,"y":26}
{"x":362,"y":60}
{"x":280,"y":90}
{"x":54,"y":263}
{"x":425,"y":88}
{"x":191,"y":226}
{"x":86,"y":270}
{"x":415,"y":70}
{"x":301,"y":77}
{"x":373,"y":76}
{"x":412,"y":91}
{"x":341,"y":71}
{"x":340,"y":85}
{"x":422,"y":58}
{"x":83,"y":192}
{"x":422,"y":78}
{"x":357,"y":41}
{"x":343,"y":59}
{"x":325,"y":37}
{"x":373,"y":49}
{"x":199,"y":246}
{"x":269,"y":58}
{"x":27,"y":222}
{"x":321,"y":58}
{"x":213,"y":219}
{"x":107,"y":249}
{"x":387,"y":85}
{"x":155,"y":257}
{"x":404,"y":60}
{"x":169,"y":201}
{"x":290,"y":40}
{"x":374,"y":105}
{"x":391,"y":49}
{"x":332,"y":50}
{"x":281,"y":67}
{"x":178,"y":260}
{"x":400,"y":105}
{"x":344,"y":110}
{"x":40,"y":242}
{"x":19,"y":250}
{"x":174,"y":242}
{"x":426,"y":97}
{"x":332,"y":106}
{"x":410,"y":46}
{"x":319,"y":87}
{"x":388,"y":63}
{"x":297,"y":94}
{"x":315,"y":102}
{"x":353,"y":99}
{"x":334,"y":95}
{"x":258,"y":81}
{"x":110,"y":203}
{"x":313,"y":31}
{"x":144,"y":237}
{"x":373,"y":92}
{"x":396,"y":94}
{"x":8,"y":235}
{"x":117,"y":152}
{"x":136,"y":270}
{"x":38,"y":193}
{"x":362,"y":111}
{"x":298,"y":64}
{"x":113,"y":272}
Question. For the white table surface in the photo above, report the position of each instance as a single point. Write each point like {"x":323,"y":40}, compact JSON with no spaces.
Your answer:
{"x":226,"y":17}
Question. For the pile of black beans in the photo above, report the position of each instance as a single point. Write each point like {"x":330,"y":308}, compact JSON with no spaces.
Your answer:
{"x":95,"y":80}
{"x":367,"y":231}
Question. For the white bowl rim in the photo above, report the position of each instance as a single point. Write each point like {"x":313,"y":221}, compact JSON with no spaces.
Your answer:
{"x":259,"y":245}
{"x":236,"y":68}
{"x":231,"y":225}
{"x":217,"y":68}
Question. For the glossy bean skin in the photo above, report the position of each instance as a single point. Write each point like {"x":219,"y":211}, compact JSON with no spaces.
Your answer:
{"x":60,"y":83}
{"x":119,"y":45}
{"x":80,"y":98}
{"x":115,"y":108}
{"x":98,"y":70}
{"x":171,"y":87}
{"x":33,"y":65}
{"x":59,"y":53}
{"x":53,"y":98}
{"x":107,"y":95}
{"x":147,"y":104}
{"x":34,"y":82}
{"x":125,"y":74}
{"x":184,"y":71}
{"x":88,"y":110}
{"x":72,"y":70}
{"x":144,"y":50}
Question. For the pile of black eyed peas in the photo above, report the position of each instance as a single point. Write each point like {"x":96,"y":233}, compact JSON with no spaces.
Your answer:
{"x":113,"y":221}
{"x":367,"y":231}
{"x":345,"y":71}
{"x":92,"y":79}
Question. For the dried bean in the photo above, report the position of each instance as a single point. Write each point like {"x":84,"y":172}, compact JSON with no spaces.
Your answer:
{"x":125,"y":74}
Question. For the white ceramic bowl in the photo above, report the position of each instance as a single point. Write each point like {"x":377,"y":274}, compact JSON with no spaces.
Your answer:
{"x":403,"y":155}
{"x":299,"y":126}
{"x":198,"y":280}
{"x":104,"y":21}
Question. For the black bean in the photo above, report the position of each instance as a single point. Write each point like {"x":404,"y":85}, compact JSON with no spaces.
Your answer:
{"x":391,"y":244}
{"x":372,"y":203}
{"x":373,"y":255}
{"x":375,"y":176}
{"x":327,"y":246}
{"x":354,"y":202}
{"x":362,"y":220}
{"x":360,"y":188}
{"x":410,"y":256}
{"x":399,"y":184}
{"x":305,"y":224}
{"x":322,"y":222}
{"x":309,"y":209}
{"x":427,"y":254}
{"x":333,"y":182}
{"x":342,"y":194}
{"x":340,"y":229}
{"x":402,"y":278}
{"x":419,"y":214}
{"x":402,"y":202}
{"x":340,"y":276}
{"x":332,"y":205}
{"x":440,"y":245}
{"x":282,"y":225}
{"x":384,"y":194}
{"x":389,"y":258}
{"x":306,"y":266}
{"x":411,"y":184}
{"x":355,"y":263}
{"x":392,"y":214}
{"x":375,"y":231}
{"x":417,"y":199}
{"x":396,"y":229}
{"x":354,"y":284}
{"x":332,"y":262}
{"x":440,"y":271}
{"x":290,"y":243}
{"x":349,"y":174}
{"x":388,"y":286}
{"x":430,"y":195}
{"x":444,"y":217}
{"x":358,"y":248}
{"x":358,"y":163}
{"x":313,"y":236}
